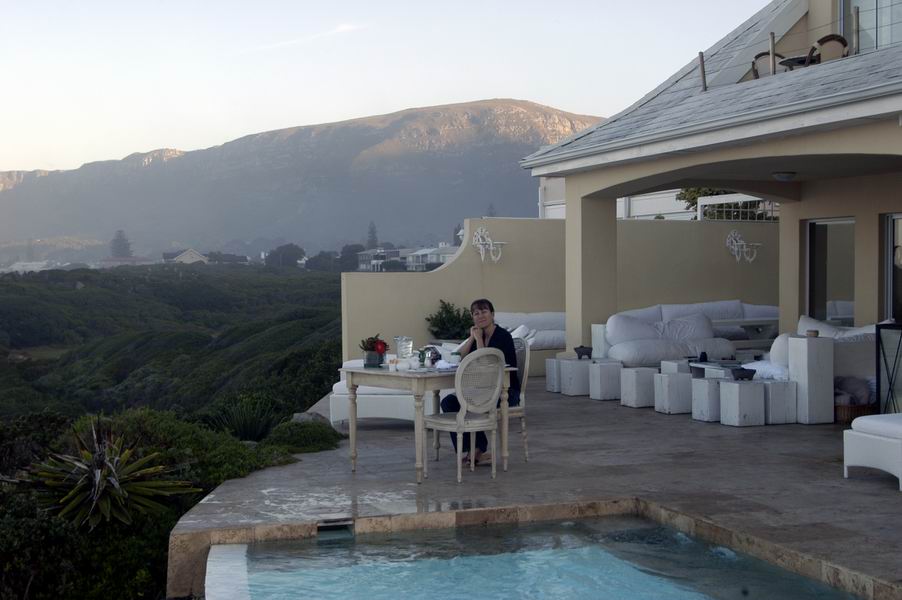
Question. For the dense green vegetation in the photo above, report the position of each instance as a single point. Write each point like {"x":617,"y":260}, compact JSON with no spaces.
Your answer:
{"x":184,"y":363}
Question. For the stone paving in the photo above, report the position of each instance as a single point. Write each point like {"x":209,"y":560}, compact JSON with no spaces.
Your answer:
{"x":782,"y":484}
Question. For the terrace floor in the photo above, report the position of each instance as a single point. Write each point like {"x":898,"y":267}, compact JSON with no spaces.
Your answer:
{"x":782,"y":484}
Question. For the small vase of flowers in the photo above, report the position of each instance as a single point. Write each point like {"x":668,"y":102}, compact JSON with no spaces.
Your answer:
{"x":373,"y":351}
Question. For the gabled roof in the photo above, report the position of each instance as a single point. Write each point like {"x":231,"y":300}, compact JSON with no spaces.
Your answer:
{"x":678,"y":107}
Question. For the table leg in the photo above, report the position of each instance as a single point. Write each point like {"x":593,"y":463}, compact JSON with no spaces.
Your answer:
{"x":352,"y":423}
{"x":505,"y":409}
{"x":436,"y":406}
{"x":418,"y":434}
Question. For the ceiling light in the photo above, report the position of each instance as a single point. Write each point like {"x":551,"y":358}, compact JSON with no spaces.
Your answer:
{"x":783,"y":175}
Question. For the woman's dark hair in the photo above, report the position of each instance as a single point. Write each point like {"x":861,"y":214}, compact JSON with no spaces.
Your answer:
{"x":482,"y":304}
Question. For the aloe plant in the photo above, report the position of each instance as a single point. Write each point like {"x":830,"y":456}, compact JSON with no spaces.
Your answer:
{"x":104,"y":481}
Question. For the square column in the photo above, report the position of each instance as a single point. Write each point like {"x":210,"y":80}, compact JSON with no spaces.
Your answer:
{"x":590,"y":263}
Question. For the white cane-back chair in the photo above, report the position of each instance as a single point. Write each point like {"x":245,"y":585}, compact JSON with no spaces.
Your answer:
{"x":477,"y":384}
{"x":521,"y":347}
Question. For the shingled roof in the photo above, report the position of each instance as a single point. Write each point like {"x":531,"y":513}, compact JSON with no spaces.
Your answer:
{"x":679,"y":107}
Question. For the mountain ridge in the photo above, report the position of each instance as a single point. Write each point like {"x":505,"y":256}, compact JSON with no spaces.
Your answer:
{"x":443,"y":163}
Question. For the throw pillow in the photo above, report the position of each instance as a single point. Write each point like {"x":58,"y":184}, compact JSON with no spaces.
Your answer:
{"x":779,"y":350}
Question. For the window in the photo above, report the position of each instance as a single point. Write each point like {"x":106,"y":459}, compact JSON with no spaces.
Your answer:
{"x":831,"y":271}
{"x":880,"y":22}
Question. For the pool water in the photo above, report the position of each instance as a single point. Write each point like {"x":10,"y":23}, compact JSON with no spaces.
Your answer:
{"x":606,"y":558}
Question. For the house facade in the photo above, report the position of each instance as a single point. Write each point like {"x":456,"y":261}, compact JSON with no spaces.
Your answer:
{"x":824,"y":141}
{"x":189,"y":256}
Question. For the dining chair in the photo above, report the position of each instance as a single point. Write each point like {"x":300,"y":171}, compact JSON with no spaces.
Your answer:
{"x":829,"y":47}
{"x":761,"y":64}
{"x":477,"y":384}
{"x":521,"y":347}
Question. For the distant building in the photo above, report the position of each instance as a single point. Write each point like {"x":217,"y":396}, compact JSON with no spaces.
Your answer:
{"x":27,"y":267}
{"x":420,"y":260}
{"x":189,"y":256}
{"x":371,"y":260}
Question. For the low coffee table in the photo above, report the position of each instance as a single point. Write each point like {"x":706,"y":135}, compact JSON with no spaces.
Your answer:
{"x":717,"y":370}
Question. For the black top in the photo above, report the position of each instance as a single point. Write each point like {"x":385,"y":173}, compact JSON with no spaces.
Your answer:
{"x":502,"y":340}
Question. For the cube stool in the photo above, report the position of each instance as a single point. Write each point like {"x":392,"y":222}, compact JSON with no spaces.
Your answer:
{"x":553,"y":375}
{"x":637,"y":387}
{"x":673,"y":393}
{"x":675,"y":366}
{"x":604,"y":379}
{"x":741,"y":403}
{"x":575,"y":377}
{"x":706,"y":400}
{"x":780,"y":402}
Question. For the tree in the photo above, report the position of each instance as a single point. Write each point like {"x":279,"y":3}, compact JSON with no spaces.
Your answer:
{"x":393,"y":265}
{"x":120,"y":247}
{"x":324,"y":261}
{"x":287,"y":255}
{"x":387,"y":246}
{"x":348,"y":259}
{"x":490,"y":212}
{"x":372,"y":239}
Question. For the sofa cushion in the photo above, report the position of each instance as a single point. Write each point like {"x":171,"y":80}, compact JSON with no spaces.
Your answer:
{"x":855,"y":358}
{"x":830,"y":330}
{"x":624,"y":328}
{"x":691,"y":327}
{"x":779,"y":350}
{"x":549,"y":339}
{"x":760,"y":311}
{"x":539,"y":321}
{"x":721,"y":309}
{"x":883,"y":425}
{"x":765,"y":369}
{"x":510,"y":320}
{"x":651,"y":314}
{"x":648,"y":353}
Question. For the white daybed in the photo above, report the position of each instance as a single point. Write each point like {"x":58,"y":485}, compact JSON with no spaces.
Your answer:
{"x":545,"y":332}
{"x":874,"y":441}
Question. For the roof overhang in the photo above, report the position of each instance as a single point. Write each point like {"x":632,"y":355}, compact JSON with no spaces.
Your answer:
{"x":829,"y":112}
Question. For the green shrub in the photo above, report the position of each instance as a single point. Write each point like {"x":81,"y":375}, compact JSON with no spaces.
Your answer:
{"x":449,"y":322}
{"x":304,"y":437}
{"x":25,"y":439}
{"x":104,"y":481}
{"x":248,"y":416}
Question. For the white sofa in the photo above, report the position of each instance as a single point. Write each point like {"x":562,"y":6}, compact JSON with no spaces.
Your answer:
{"x":874,"y":441}
{"x":545,"y":332}
{"x":645,"y":337}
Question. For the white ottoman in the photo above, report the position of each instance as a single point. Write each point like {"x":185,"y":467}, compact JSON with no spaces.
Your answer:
{"x":706,"y":400}
{"x":604,"y":380}
{"x":637,"y":387}
{"x":741,"y":403}
{"x":675,"y":366}
{"x":553,"y":375}
{"x":575,"y":377}
{"x":779,"y":402}
{"x":673,"y":393}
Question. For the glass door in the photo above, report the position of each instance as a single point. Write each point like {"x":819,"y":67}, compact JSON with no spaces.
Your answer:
{"x":831,"y":271}
{"x":893,"y":273}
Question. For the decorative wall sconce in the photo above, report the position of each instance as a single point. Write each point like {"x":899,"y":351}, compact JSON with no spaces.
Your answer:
{"x":486,"y":246}
{"x":740,"y":249}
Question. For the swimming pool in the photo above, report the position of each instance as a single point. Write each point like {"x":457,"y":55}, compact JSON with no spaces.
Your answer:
{"x":609,"y":557}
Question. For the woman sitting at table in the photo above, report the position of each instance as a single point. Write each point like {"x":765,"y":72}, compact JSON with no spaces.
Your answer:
{"x":485,"y":334}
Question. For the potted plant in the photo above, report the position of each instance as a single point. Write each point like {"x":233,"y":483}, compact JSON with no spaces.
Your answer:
{"x":373,"y":351}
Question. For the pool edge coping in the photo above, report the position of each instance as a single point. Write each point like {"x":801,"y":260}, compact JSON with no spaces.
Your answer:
{"x":188,"y":550}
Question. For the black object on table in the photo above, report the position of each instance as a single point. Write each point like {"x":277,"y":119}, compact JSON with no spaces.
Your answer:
{"x":794,"y":62}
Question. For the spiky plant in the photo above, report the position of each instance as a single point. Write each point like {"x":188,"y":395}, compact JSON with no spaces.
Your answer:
{"x":104,"y":481}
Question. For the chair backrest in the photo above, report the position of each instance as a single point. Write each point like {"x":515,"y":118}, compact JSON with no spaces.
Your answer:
{"x":521,"y":347}
{"x":829,"y":47}
{"x":761,"y":64}
{"x":478,"y":381}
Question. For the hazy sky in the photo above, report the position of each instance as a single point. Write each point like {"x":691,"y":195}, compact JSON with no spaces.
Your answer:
{"x":95,"y":80}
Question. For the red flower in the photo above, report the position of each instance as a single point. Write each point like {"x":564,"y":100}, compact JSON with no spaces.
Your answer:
{"x":380,"y":346}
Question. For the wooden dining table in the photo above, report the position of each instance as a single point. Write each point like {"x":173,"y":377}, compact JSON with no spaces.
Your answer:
{"x":419,"y":382}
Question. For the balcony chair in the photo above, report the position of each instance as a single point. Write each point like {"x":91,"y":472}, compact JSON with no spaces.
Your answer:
{"x":829,"y":47}
{"x":477,"y":384}
{"x":521,"y":347}
{"x":761,"y":64}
